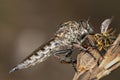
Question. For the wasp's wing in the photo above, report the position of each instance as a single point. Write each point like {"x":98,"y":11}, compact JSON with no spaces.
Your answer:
{"x":105,"y":25}
{"x":39,"y":55}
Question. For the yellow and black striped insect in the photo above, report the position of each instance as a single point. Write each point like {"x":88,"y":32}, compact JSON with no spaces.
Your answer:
{"x":106,"y":38}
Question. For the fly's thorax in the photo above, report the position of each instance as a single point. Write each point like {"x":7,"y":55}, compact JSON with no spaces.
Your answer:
{"x":85,"y":28}
{"x":68,"y":31}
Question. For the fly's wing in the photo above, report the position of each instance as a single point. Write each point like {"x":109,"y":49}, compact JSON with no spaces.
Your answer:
{"x":39,"y":55}
{"x":105,"y":25}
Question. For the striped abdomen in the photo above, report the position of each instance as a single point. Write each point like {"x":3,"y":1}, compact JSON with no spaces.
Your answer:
{"x":39,"y":55}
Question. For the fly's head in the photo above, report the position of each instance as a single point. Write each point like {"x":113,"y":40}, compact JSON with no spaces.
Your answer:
{"x":86,"y":27}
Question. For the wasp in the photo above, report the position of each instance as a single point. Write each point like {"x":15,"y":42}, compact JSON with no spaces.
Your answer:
{"x":62,"y":44}
{"x":107,"y":36}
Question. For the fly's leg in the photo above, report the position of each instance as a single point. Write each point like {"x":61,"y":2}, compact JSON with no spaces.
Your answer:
{"x":92,"y":43}
{"x":70,"y":60}
{"x":76,"y":45}
{"x":73,"y":64}
{"x":66,"y":53}
{"x":81,"y":48}
{"x":65,"y":57}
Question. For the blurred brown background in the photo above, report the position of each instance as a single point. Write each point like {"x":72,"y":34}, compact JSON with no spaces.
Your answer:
{"x":26,"y":24}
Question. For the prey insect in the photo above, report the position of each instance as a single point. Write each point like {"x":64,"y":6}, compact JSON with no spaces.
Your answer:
{"x":106,"y":38}
{"x":62,"y":43}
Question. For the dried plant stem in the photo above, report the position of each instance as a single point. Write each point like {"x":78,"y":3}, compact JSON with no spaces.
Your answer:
{"x":110,"y":62}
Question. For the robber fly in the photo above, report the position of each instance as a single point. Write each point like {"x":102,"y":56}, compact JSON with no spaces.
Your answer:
{"x":106,"y":38}
{"x":66,"y":36}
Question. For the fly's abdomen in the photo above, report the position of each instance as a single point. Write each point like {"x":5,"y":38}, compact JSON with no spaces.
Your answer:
{"x":39,"y":55}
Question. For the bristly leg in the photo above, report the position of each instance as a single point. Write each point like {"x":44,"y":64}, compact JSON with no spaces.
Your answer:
{"x":81,"y":48}
{"x":66,"y":53}
{"x":69,"y":60}
{"x":65,"y":57}
{"x":73,"y":62}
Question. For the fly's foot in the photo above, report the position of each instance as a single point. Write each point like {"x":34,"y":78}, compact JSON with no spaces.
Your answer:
{"x":69,"y":61}
{"x":73,"y":62}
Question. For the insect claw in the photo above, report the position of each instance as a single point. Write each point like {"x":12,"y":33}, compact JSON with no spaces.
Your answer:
{"x":73,"y":64}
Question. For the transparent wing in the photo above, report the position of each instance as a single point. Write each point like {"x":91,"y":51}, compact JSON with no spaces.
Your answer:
{"x":105,"y":24}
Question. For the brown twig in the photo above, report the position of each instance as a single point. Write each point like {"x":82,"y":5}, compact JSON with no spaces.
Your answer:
{"x":89,"y":68}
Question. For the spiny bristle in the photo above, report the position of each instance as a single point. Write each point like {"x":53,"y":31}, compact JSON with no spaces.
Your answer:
{"x":13,"y":70}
